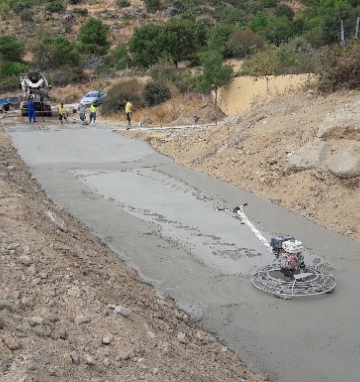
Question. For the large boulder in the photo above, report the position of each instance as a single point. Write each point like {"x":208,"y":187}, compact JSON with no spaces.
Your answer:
{"x":345,"y":163}
{"x":342,"y":123}
{"x":307,"y":157}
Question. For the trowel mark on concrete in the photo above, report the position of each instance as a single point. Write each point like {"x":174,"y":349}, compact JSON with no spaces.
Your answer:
{"x":181,"y":214}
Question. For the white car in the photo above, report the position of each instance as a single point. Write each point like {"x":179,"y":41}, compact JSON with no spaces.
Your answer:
{"x":93,"y":97}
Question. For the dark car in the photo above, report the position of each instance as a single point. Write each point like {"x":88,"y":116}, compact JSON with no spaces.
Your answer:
{"x":93,"y":97}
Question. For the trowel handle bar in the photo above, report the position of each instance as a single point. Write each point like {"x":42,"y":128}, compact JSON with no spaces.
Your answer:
{"x":238,"y":208}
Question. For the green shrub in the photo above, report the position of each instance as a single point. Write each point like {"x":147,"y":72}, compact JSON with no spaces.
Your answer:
{"x":119,"y":57}
{"x":19,"y":5}
{"x":116,"y":95}
{"x":11,"y":49}
{"x":340,"y":67}
{"x":163,"y":71}
{"x":295,"y":57}
{"x":8,"y":69}
{"x":166,"y":72}
{"x":155,"y":93}
{"x":66,"y":75}
{"x":232,"y":16}
{"x":27,"y":15}
{"x":243,"y":42}
{"x":9,"y":84}
{"x":284,"y":10}
{"x":74,"y":2}
{"x":4,"y":10}
{"x":152,"y":5}
{"x":268,"y":3}
{"x":184,"y":81}
{"x":55,"y":7}
{"x":123,"y":3}
{"x":82,"y":12}
{"x":93,"y":36}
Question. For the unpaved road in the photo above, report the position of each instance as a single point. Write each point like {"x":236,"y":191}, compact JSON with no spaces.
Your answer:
{"x":161,"y":219}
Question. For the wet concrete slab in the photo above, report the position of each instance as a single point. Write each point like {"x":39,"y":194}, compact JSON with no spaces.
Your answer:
{"x":161,"y":218}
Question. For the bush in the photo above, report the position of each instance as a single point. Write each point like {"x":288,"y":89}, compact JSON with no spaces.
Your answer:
{"x":243,"y":42}
{"x":74,"y":2}
{"x":8,"y":69}
{"x":66,"y":75}
{"x":268,"y":3}
{"x":340,"y":67}
{"x":152,"y":5}
{"x":82,"y":12}
{"x":19,"y":5}
{"x":123,"y":3}
{"x":119,"y":57}
{"x":284,"y":10}
{"x":11,"y":49}
{"x":167,"y":73}
{"x":27,"y":15}
{"x":295,"y":57}
{"x":155,"y":93}
{"x":9,"y":84}
{"x":55,"y":7}
{"x":116,"y":95}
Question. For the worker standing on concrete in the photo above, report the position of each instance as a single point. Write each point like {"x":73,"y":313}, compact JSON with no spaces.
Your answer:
{"x":31,"y":109}
{"x":92,"y":113}
{"x":128,"y":111}
{"x":82,"y":112}
{"x":62,"y":113}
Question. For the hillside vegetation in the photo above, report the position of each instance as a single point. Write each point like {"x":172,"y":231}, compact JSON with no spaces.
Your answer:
{"x":181,"y":45}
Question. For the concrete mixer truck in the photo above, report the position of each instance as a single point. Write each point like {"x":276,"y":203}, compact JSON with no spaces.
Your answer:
{"x":34,"y":85}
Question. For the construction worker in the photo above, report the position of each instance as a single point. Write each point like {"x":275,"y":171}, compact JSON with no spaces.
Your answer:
{"x":62,"y":113}
{"x":128,"y":111}
{"x":82,"y":112}
{"x":31,"y":109}
{"x":92,"y":113}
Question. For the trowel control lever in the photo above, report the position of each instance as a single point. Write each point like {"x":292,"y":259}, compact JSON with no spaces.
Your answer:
{"x":238,"y":208}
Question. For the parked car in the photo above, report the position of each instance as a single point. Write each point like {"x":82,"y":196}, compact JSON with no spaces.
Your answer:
{"x":93,"y":97}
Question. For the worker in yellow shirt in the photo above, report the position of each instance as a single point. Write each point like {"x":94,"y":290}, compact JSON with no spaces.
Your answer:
{"x":92,"y":113}
{"x":128,"y":111}
{"x":62,"y":113}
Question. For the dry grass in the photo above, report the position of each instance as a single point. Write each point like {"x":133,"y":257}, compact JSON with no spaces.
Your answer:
{"x":178,"y":110}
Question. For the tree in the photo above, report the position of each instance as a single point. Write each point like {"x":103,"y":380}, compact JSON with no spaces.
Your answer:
{"x":219,"y":36}
{"x":145,"y":45}
{"x":93,"y":36}
{"x":214,"y":74}
{"x":276,"y":29}
{"x":119,"y":57}
{"x":177,"y":40}
{"x":11,"y":49}
{"x":183,"y":38}
{"x":55,"y":51}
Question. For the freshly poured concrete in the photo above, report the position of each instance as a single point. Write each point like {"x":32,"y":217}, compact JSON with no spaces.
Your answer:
{"x":161,"y":219}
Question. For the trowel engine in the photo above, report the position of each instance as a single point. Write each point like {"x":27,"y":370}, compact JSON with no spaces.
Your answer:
{"x":289,"y":277}
{"x":288,"y":251}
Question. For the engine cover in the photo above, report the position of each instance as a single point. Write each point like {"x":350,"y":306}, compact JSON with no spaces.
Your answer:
{"x":292,"y":246}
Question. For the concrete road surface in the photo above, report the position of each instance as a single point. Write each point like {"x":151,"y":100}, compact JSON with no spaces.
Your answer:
{"x":161,"y":219}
